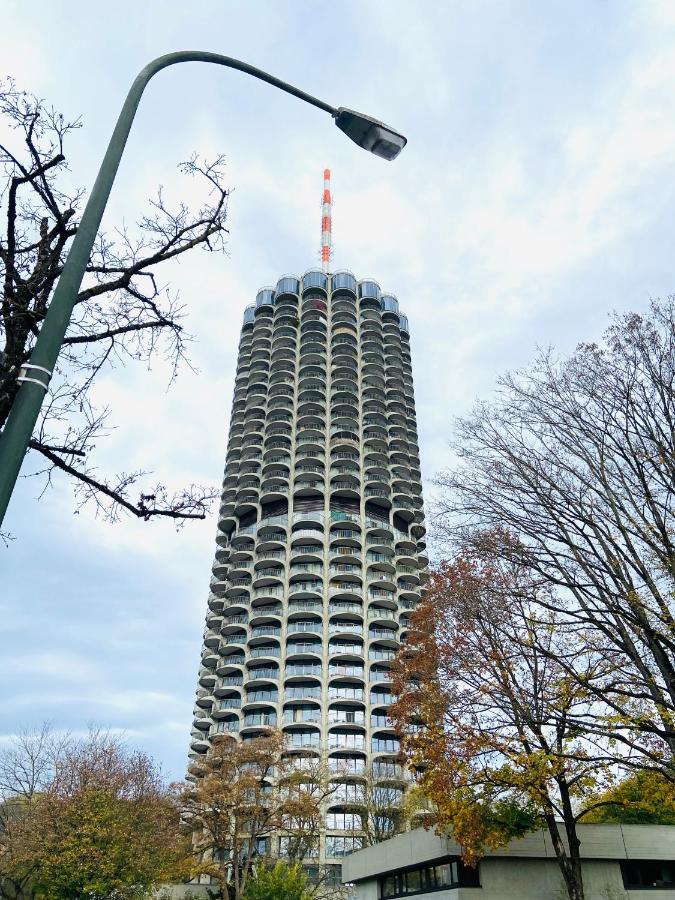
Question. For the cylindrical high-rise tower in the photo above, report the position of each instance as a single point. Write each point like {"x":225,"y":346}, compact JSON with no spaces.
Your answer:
{"x":320,"y":534}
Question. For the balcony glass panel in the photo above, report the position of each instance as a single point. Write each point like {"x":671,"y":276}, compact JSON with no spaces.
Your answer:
{"x":258,"y":696}
{"x":287,"y":285}
{"x":344,"y":281}
{"x":264,"y":297}
{"x":369,"y":289}
{"x":313,"y":669}
{"x":315,"y":279}
{"x":260,"y":719}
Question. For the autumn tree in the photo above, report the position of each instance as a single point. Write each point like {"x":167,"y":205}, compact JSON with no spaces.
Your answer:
{"x":244,"y":795}
{"x":487,"y":719}
{"x":123,"y":312}
{"x":27,"y":767}
{"x":85,"y":818}
{"x":641,"y":798}
{"x":573,"y":461}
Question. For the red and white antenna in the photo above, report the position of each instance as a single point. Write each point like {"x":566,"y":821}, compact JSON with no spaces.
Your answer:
{"x":326,"y":222}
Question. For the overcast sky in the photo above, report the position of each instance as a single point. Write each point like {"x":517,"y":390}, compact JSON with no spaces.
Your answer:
{"x":534,"y":197}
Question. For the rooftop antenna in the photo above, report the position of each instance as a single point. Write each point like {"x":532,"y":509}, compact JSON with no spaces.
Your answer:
{"x":326,"y":222}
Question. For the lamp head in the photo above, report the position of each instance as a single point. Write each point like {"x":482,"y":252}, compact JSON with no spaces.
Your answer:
{"x":369,"y":133}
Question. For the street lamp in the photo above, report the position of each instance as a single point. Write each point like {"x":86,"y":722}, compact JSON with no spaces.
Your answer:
{"x":34,"y":376}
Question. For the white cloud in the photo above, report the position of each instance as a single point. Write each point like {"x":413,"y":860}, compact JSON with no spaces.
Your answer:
{"x":529,"y":202}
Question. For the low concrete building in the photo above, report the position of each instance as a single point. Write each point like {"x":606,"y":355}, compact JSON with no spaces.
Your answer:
{"x":620,"y":862}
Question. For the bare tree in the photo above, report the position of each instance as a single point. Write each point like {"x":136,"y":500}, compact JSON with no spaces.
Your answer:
{"x":123,"y":313}
{"x":574,"y":463}
{"x":379,"y":803}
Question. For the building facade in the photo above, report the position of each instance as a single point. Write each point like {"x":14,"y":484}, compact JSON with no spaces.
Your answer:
{"x":619,"y":862}
{"x":320,"y":544}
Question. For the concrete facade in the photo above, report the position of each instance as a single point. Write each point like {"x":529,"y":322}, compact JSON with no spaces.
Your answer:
{"x":320,"y":543}
{"x":524,"y":870}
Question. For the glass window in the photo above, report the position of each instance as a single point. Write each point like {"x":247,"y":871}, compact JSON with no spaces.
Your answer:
{"x":388,"y":886}
{"x":638,"y":873}
{"x":333,"y":876}
{"x":428,"y":878}
{"x":343,"y":821}
{"x":413,"y":881}
{"x":341,"y":846}
{"x":442,"y":875}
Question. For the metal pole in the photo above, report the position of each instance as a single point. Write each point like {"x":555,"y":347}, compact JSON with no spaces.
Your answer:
{"x":35,"y":375}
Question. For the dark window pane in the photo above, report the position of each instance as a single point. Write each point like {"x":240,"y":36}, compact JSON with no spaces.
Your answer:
{"x":388,"y":886}
{"x":648,"y":873}
{"x":442,"y":874}
{"x":468,"y":877}
{"x":413,"y":881}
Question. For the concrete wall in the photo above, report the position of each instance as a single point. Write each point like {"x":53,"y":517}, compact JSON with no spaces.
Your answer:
{"x":531,"y":879}
{"x":524,"y":870}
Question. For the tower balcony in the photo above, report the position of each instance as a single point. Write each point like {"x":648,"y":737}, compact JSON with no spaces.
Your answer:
{"x":346,"y":717}
{"x":343,"y":651}
{"x":299,"y":650}
{"x":269,"y":592}
{"x":199,"y":743}
{"x":260,"y":696}
{"x":346,"y":739}
{"x":259,"y":675}
{"x":225,"y":726}
{"x":345,"y":627}
{"x":315,"y":279}
{"x":259,"y":721}
{"x":207,"y":677}
{"x":348,"y":673}
{"x":230,"y":663}
{"x":380,"y":636}
{"x":305,"y":590}
{"x":288,"y":286}
{"x":227,"y":704}
{"x":204,"y":699}
{"x":236,"y":640}
{"x":215,"y":603}
{"x":260,"y":614}
{"x":381,"y":584}
{"x":302,"y":670}
{"x":226,"y":683}
{"x":300,"y":691}
{"x":312,"y":625}
{"x":349,"y":590}
{"x":211,"y":639}
{"x":268,"y":574}
{"x":301,"y":714}
{"x":381,"y":614}
{"x":344,"y":282}
{"x":349,"y":608}
{"x":378,"y":673}
{"x":296,"y":607}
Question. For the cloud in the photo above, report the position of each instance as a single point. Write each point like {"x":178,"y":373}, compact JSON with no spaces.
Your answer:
{"x":534,"y":196}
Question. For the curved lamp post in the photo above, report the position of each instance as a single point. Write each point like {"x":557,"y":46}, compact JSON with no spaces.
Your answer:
{"x":34,"y":376}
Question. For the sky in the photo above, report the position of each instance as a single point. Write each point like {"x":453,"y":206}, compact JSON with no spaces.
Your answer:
{"x":536,"y":195}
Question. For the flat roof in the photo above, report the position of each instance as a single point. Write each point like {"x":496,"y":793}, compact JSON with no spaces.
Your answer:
{"x":597,"y":842}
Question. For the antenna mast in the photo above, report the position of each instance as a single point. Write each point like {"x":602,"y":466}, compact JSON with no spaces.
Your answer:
{"x":326,"y":222}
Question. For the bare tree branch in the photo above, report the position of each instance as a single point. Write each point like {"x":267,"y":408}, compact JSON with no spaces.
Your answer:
{"x":123,"y":313}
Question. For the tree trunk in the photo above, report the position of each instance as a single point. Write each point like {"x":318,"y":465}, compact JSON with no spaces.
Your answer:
{"x":570,"y":865}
